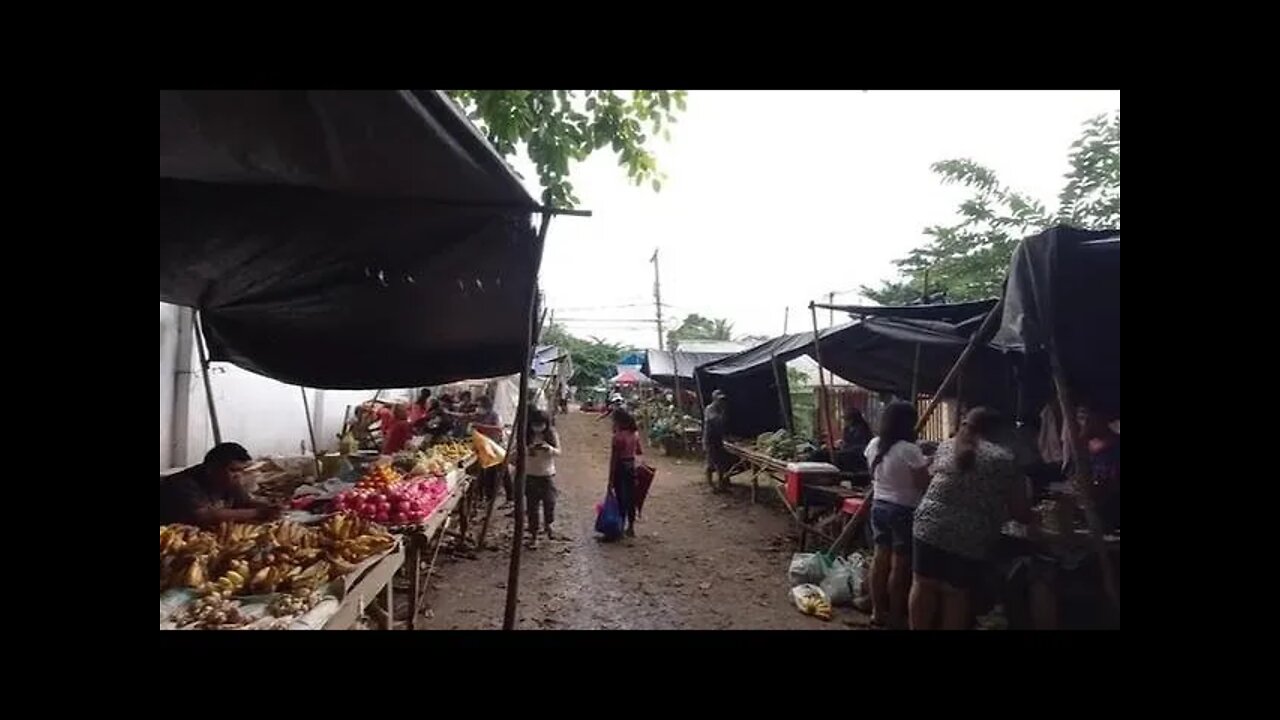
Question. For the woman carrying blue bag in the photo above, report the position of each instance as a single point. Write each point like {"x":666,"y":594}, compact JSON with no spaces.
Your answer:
{"x":618,"y":513}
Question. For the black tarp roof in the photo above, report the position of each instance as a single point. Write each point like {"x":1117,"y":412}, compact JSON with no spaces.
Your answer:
{"x":662,"y":365}
{"x":880,"y":354}
{"x":876,"y":353}
{"x":344,"y":239}
{"x":1063,"y":288}
{"x":943,"y":312}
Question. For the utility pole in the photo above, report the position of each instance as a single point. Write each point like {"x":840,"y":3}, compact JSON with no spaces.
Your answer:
{"x":657,"y":296}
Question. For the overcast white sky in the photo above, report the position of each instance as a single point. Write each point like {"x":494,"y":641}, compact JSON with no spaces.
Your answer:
{"x":774,"y":198}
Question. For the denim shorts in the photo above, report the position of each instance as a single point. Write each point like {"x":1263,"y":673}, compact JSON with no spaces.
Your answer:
{"x":891,"y":525}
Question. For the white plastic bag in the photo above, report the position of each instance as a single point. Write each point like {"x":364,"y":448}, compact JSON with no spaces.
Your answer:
{"x":807,"y":568}
{"x":845,"y":579}
{"x":810,"y":600}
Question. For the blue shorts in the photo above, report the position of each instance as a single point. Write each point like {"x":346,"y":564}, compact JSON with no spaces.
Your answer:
{"x":891,"y":525}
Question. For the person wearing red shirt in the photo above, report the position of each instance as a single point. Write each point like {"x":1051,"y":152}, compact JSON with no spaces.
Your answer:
{"x":622,"y":465}
{"x":399,"y":433}
{"x":420,"y":409}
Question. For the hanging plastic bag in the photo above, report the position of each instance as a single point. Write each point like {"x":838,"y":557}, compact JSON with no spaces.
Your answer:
{"x":488,"y":452}
{"x":808,"y":568}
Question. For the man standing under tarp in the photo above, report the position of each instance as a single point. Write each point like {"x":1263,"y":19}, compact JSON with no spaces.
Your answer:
{"x":713,"y":429}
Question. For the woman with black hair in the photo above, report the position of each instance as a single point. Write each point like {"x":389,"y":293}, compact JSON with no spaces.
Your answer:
{"x":976,"y":487}
{"x":899,"y":474}
{"x":542,"y":445}
{"x":622,"y":465}
{"x":421,"y":408}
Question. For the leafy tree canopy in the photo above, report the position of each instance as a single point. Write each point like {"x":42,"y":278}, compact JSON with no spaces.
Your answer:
{"x":968,"y":259}
{"x":559,"y":127}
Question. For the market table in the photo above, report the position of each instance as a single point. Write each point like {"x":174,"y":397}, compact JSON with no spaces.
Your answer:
{"x":375,"y":582}
{"x":428,"y":537}
{"x":774,"y":469}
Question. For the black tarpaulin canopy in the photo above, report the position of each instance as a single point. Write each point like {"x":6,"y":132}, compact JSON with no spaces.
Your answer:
{"x":877,"y":353}
{"x":663,"y":365}
{"x":750,"y":381}
{"x":900,"y":355}
{"x":344,"y":239}
{"x":954,"y":313}
{"x":1063,"y":289}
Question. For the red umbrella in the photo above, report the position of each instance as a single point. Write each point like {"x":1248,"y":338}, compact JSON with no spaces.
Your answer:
{"x":644,"y":479}
{"x":630,"y":377}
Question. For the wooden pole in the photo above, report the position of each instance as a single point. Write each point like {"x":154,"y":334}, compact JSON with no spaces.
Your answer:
{"x":208,"y":387}
{"x":825,"y":405}
{"x":311,"y":430}
{"x":522,"y":409}
{"x":784,"y":399}
{"x":915,"y":377}
{"x":784,"y":391}
{"x":974,"y":340}
{"x":675,"y":371}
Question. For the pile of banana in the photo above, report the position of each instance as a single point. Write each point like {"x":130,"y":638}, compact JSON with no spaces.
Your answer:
{"x":449,"y":451}
{"x":810,"y":600}
{"x":241,"y":558}
{"x":287,"y":605}
{"x":211,"y":612}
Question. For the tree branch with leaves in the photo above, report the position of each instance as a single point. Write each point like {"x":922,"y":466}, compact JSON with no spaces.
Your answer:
{"x":557,"y":128}
{"x":968,"y":260}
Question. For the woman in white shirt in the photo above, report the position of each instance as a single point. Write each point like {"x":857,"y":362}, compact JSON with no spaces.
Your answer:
{"x":900,"y":474}
{"x":542,"y":446}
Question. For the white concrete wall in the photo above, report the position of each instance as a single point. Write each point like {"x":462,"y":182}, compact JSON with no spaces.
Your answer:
{"x":168,"y":364}
{"x":262,"y":414}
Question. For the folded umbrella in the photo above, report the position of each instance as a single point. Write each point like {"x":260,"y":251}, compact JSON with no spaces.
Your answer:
{"x":644,"y":479}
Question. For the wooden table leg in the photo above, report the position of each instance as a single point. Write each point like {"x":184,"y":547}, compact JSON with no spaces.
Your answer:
{"x":389,"y":622}
{"x":413,"y":565}
{"x":484,"y":524}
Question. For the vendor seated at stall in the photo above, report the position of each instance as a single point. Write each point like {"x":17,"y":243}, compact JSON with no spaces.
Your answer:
{"x":211,"y":493}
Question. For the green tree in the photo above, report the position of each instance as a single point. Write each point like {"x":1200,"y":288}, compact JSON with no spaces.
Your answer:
{"x":559,"y":127}
{"x":968,"y":260}
{"x":594,"y":360}
{"x":696,"y":327}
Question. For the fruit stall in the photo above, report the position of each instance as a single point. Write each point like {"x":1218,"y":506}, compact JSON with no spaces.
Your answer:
{"x":276,"y":576}
{"x":329,"y":561}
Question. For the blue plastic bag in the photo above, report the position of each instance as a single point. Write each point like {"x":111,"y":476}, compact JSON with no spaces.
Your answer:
{"x":609,"y":517}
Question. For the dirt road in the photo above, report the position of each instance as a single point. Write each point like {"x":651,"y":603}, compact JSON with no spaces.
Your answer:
{"x":699,"y":561}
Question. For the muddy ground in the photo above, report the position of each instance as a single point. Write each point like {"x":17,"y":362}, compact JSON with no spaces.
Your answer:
{"x":700,"y":561}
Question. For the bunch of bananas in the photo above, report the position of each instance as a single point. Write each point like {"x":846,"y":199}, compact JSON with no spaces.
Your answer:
{"x":279,"y":556}
{"x":450,"y":452}
{"x":292,"y":604}
{"x":211,"y":612}
{"x":810,"y":600}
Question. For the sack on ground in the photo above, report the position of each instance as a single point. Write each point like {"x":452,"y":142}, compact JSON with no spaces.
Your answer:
{"x":844,"y":580}
{"x":810,"y":600}
{"x":807,"y":568}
